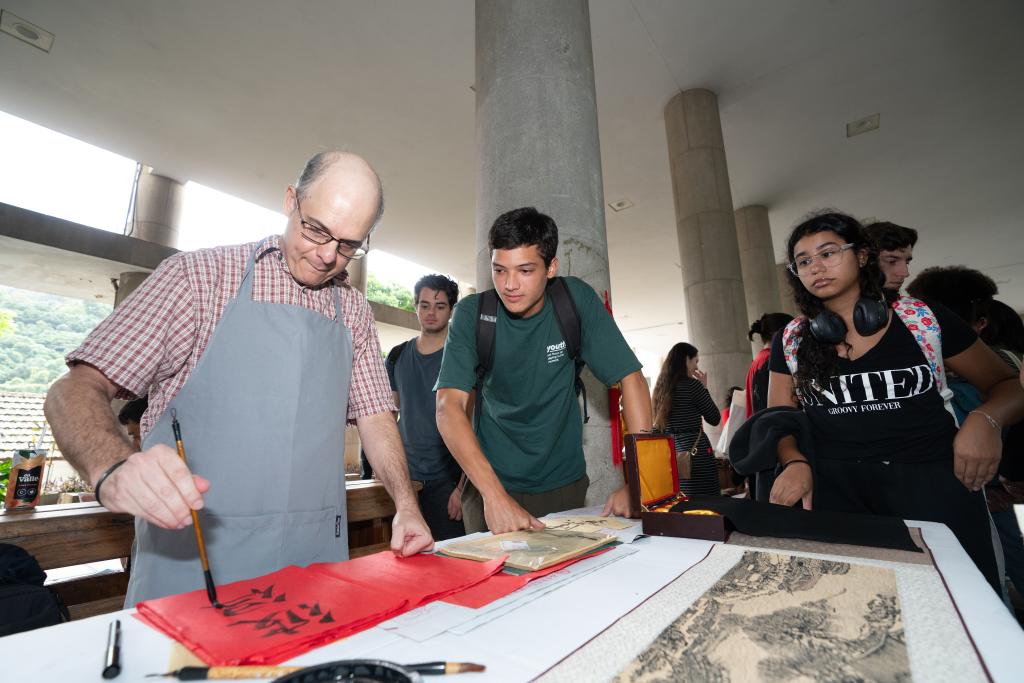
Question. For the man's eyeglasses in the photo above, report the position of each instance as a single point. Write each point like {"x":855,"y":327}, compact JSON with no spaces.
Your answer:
{"x":350,"y":249}
{"x":830,"y":257}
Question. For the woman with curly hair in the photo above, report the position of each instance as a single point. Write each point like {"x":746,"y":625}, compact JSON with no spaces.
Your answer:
{"x":869,"y":376}
{"x":681,"y":399}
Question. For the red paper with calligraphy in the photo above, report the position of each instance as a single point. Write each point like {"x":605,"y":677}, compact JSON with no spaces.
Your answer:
{"x":269,"y":619}
{"x":273,"y":618}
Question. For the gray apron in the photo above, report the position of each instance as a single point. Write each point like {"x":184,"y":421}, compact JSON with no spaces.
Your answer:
{"x":263,"y":419}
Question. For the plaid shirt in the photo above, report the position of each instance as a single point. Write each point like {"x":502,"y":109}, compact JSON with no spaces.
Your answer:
{"x":151,"y":343}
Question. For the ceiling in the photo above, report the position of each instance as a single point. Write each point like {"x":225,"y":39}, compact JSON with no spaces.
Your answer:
{"x":235,"y":94}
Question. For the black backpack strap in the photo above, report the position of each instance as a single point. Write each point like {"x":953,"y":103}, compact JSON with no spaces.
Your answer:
{"x":486,"y":326}
{"x":391,"y":362}
{"x":396,"y":352}
{"x":569,"y":324}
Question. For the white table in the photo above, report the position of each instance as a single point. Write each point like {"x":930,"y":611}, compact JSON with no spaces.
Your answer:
{"x":521,"y":644}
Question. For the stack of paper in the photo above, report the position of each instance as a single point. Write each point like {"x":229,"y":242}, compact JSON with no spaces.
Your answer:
{"x":529,"y":550}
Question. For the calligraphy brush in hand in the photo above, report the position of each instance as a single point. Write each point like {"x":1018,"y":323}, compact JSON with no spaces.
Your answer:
{"x":211,"y":589}
{"x":202,"y":673}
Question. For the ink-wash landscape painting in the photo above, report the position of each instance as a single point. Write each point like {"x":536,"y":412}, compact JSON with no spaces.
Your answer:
{"x":779,"y":617}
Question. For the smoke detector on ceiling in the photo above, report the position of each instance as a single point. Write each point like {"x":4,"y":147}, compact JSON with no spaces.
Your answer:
{"x":620,"y":205}
{"x":864,"y":125}
{"x":25,"y":31}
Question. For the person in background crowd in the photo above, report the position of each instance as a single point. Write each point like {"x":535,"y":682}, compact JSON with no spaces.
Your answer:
{"x":894,"y":245}
{"x":681,"y":400}
{"x":884,"y":442}
{"x":130,"y":416}
{"x":413,"y":367}
{"x":1002,"y":328}
{"x":765,"y":328}
{"x":728,"y":405}
{"x":965,"y":291}
{"x":969,"y":293}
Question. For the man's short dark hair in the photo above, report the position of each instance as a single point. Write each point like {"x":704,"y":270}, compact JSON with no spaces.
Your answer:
{"x":438,"y":283}
{"x":890,"y":237}
{"x":133,"y":410}
{"x":525,"y":227}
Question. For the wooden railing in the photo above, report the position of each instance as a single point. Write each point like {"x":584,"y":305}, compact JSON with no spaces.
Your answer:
{"x":68,"y":535}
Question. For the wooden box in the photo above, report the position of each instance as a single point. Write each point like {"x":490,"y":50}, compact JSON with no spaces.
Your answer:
{"x":652,"y":475}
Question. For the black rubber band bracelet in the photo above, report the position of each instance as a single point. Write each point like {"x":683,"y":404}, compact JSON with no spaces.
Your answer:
{"x":806,"y":462}
{"x":103,"y":478}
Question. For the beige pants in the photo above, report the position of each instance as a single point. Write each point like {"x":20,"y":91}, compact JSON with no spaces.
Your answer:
{"x":567,"y":497}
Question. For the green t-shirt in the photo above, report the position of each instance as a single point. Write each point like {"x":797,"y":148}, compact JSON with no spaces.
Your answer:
{"x":530,"y":427}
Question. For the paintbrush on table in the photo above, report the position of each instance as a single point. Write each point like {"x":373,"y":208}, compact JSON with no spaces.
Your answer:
{"x":442,"y":668}
{"x":211,"y":589}
{"x":202,"y":673}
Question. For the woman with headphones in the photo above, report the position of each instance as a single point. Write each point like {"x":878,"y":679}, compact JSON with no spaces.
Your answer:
{"x":868,"y":369}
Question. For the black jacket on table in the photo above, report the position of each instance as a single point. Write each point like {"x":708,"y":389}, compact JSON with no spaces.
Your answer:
{"x":754,"y":448}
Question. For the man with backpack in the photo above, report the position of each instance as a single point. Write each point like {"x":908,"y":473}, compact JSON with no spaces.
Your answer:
{"x":520,"y":347}
{"x":413,"y":367}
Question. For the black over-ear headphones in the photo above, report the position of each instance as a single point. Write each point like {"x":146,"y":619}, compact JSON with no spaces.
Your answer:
{"x":869,"y":316}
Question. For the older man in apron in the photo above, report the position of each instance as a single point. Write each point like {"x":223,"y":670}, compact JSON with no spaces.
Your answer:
{"x":261,"y":351}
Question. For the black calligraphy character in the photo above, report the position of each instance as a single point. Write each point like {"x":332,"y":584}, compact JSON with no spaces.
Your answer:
{"x":256,"y":598}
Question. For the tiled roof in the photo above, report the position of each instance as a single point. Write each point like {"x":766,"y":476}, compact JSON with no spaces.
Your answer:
{"x":21,"y":415}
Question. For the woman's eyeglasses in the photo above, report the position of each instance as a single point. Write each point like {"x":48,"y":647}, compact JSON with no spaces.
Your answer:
{"x":830,"y":257}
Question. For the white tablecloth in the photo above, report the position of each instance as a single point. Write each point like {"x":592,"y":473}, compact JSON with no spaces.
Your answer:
{"x":521,"y":644}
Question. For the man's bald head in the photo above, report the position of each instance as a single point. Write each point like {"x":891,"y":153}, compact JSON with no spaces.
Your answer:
{"x":344,"y":166}
{"x":333,"y":207}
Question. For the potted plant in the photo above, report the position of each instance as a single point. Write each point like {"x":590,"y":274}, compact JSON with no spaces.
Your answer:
{"x":70,"y":490}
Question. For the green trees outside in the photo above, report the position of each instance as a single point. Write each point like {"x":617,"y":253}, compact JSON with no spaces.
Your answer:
{"x":389,"y":293}
{"x":36,"y":331}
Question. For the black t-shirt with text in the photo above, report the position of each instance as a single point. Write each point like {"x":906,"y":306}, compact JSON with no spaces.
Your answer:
{"x":884,"y":406}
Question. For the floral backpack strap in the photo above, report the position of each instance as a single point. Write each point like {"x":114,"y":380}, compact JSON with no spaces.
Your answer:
{"x":791,"y":336}
{"x":924,"y":327}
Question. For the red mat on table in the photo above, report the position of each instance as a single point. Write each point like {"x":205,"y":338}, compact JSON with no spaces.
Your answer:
{"x":420,"y":579}
{"x":273,"y":618}
{"x":500,"y":585}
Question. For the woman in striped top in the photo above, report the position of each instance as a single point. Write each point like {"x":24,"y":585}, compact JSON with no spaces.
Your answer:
{"x":681,"y":399}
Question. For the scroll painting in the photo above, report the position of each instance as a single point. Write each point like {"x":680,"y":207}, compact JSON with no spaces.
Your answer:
{"x":779,"y":617}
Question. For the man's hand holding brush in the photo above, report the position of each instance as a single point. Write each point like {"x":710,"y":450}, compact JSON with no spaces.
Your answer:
{"x":154,"y":485}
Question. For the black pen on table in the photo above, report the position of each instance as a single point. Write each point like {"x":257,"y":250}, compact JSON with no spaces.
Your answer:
{"x":112,"y":660}
{"x":211,"y":589}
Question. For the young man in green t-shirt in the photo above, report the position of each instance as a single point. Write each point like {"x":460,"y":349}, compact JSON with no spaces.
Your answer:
{"x":525,"y":458}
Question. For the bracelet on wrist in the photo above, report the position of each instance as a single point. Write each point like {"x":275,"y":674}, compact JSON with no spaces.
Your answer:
{"x":991,"y":420}
{"x":103,"y":477}
{"x":783,"y":469}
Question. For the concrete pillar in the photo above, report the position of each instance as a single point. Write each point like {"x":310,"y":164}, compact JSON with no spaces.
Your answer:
{"x":127,"y":283}
{"x":156,"y":218}
{"x":158,"y":209}
{"x":537,"y":145}
{"x":757,"y":260}
{"x":357,"y":273}
{"x":716,"y":308}
{"x":785,"y":290}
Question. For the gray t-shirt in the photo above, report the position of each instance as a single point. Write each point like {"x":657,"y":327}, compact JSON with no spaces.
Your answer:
{"x":413,"y":376}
